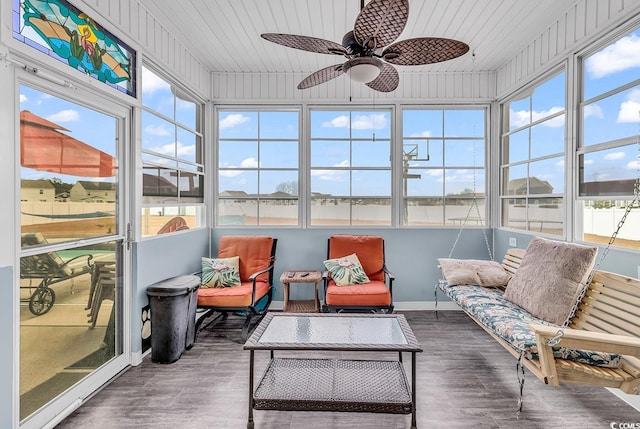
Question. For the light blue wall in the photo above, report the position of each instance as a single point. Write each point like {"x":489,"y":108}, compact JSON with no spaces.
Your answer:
{"x":617,"y":261}
{"x":6,"y":344}
{"x":411,"y":254}
{"x":159,"y":258}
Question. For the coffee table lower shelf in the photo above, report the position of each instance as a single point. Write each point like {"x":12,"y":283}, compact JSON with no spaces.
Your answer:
{"x":370,"y":386}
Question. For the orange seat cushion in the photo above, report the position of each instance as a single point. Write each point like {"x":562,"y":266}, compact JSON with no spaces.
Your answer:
{"x":254,"y":252}
{"x":375,"y":293}
{"x":368,"y":248}
{"x":238,"y":296}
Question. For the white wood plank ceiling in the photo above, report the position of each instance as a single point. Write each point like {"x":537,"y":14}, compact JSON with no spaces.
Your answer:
{"x":225,"y":34}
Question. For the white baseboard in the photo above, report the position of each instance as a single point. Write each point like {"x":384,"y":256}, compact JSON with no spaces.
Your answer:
{"x":399,"y":306}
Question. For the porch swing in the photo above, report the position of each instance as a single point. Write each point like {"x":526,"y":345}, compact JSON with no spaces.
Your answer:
{"x":597,"y":344}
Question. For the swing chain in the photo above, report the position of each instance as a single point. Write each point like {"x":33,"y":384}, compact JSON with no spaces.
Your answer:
{"x":555,"y":340}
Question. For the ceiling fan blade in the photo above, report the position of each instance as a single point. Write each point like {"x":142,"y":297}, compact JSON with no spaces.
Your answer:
{"x":321,"y":76}
{"x":387,"y":80}
{"x":381,"y":22}
{"x":305,"y":43}
{"x":424,"y":50}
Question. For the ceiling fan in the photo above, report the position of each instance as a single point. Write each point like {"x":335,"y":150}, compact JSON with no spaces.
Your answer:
{"x":368,"y":47}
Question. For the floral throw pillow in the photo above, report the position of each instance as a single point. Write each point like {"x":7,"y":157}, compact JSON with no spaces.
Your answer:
{"x":220,"y":272}
{"x":346,"y":270}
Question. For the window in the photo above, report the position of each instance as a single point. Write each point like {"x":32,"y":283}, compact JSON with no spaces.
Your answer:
{"x":609,"y":146}
{"x":443,"y":166}
{"x":258,"y":167}
{"x":532,"y":158}
{"x":350,"y":167}
{"x":172,"y":157}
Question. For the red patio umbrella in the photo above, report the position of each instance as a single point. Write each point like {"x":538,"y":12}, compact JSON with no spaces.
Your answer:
{"x":43,"y":147}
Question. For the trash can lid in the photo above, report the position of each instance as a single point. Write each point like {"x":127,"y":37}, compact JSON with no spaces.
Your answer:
{"x":175,"y":286}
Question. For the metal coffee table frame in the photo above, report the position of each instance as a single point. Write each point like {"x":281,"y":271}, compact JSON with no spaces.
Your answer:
{"x":301,"y":384}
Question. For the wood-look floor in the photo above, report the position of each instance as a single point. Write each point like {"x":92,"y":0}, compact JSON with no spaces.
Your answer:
{"x":464,"y":380}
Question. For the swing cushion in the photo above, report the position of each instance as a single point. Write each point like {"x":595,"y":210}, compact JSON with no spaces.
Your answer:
{"x":473,"y":272}
{"x":550,"y":278}
{"x":510,"y":323}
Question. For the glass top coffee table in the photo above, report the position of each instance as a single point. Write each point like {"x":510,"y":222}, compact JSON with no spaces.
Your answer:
{"x":312,"y":384}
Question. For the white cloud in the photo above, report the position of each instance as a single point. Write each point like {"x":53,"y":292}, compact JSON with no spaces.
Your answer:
{"x":521,"y":117}
{"x":68,"y":115}
{"x":422,"y":134}
{"x":588,"y":162}
{"x":621,"y":55}
{"x":332,"y":175}
{"x":634,"y":165}
{"x":339,"y":122}
{"x":560,"y":164}
{"x":615,"y":156}
{"x":23,"y":98}
{"x":186,"y":151}
{"x":630,"y":109}
{"x":593,"y":110}
{"x":249,"y":163}
{"x":233,"y":120}
{"x":375,"y":121}
{"x":152,"y":83}
{"x":229,"y":173}
{"x":157,"y":130}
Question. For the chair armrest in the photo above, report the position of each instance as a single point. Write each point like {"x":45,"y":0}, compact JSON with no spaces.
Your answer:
{"x":391,"y":278}
{"x":253,"y":278}
{"x":580,"y":340}
{"x":88,"y":256}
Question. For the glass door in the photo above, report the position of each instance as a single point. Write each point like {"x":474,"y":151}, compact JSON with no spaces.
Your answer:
{"x":72,"y":258}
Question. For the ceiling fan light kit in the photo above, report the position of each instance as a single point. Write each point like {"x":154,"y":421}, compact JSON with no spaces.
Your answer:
{"x":362,"y":69}
{"x":369,"y":48}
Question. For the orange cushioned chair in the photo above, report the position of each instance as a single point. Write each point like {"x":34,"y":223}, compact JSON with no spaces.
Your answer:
{"x":368,"y":297}
{"x":252,"y":298}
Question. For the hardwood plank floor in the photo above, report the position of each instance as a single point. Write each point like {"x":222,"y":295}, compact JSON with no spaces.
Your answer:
{"x":463,"y":380}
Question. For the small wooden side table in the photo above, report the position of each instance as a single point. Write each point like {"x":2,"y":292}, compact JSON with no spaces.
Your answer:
{"x":300,"y":305}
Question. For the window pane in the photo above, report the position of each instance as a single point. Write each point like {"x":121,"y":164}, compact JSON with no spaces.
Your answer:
{"x":237,"y":211}
{"x":279,"y":182}
{"x":518,"y":112}
{"x":600,"y":219}
{"x":422,"y":123}
{"x":547,"y":176}
{"x":186,"y":110}
{"x":278,"y":154}
{"x":234,"y":125}
{"x":330,"y":124}
{"x":166,"y":219}
{"x":467,"y":123}
{"x":517,"y":146}
{"x":371,"y":153}
{"x":371,"y":183}
{"x":327,"y":153}
{"x":427,"y":152}
{"x":468,"y":153}
{"x":367,"y":211}
{"x":516,"y":180}
{"x":156,"y":93}
{"x":465,"y":211}
{"x":159,"y":182}
{"x":612,"y":118}
{"x":330,"y":182}
{"x":464,"y":182}
{"x":279,"y":125}
{"x":330,"y":211}
{"x":278,"y":212}
{"x":427,"y":182}
{"x":610,"y":172}
{"x":547,"y":138}
{"x":158,"y":135}
{"x":367,"y":124}
{"x":237,"y":154}
{"x":546,"y":215}
{"x":548,"y":98}
{"x":186,"y":147}
{"x":237,"y":183}
{"x":424,"y":212}
{"x":612,"y":66}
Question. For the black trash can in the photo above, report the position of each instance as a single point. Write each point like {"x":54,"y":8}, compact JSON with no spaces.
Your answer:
{"x":173,"y":305}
